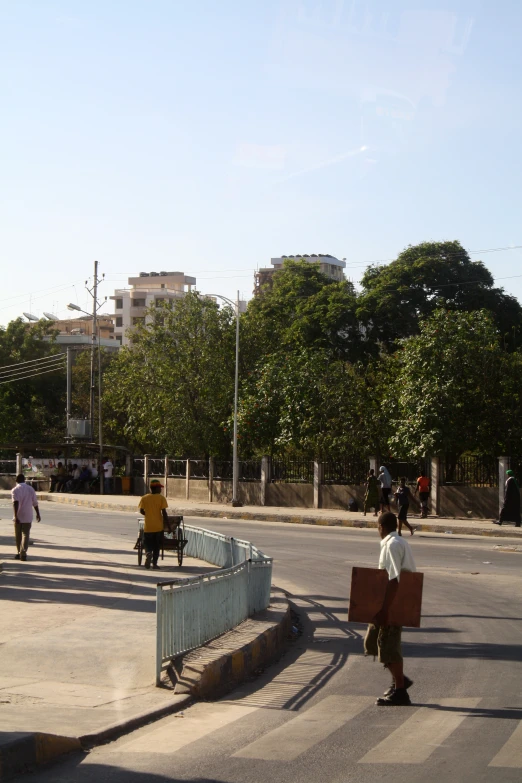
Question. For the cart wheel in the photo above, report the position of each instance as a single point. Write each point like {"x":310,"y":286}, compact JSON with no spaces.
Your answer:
{"x":180,"y":545}
{"x":140,"y":553}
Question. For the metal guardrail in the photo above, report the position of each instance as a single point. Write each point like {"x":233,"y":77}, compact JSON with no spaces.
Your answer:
{"x":192,"y":611}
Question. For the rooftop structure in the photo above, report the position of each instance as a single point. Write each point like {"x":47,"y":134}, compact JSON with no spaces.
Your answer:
{"x":329,"y":265}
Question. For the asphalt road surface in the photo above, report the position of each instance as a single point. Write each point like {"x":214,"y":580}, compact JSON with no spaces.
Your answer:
{"x":312,"y":716}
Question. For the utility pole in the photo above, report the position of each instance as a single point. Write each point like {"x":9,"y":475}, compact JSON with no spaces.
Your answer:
{"x":96,"y":340}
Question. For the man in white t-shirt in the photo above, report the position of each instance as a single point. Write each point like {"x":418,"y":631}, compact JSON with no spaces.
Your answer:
{"x":108,"y":467}
{"x":381,"y":638}
{"x":24,"y":500}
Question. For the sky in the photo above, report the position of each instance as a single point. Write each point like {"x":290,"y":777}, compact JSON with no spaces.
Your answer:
{"x":208,"y":137}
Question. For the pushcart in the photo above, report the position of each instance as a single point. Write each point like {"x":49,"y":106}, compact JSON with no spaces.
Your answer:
{"x":173,"y":538}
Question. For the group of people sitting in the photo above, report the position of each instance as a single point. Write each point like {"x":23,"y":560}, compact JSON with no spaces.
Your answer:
{"x":77,"y":479}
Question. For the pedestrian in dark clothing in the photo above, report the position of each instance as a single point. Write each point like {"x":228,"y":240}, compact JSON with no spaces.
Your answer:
{"x":510,"y":511}
{"x":403,"y":497}
{"x":371,"y":498}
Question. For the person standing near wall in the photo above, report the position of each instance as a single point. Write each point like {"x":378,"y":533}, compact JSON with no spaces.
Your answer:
{"x":24,"y":500}
{"x":510,"y":511}
{"x":423,"y":488}
{"x":371,"y":498}
{"x":154,"y":509}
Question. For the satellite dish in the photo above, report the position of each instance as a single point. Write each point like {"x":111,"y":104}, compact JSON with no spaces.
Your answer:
{"x":51,"y":317}
{"x":31,"y":317}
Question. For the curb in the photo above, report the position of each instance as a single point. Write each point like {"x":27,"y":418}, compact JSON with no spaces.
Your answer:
{"x":226,"y":668}
{"x":25,"y":751}
{"x":267,"y":516}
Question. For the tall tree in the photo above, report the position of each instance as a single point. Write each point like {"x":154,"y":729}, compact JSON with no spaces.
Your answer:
{"x":32,"y":409}
{"x":304,"y":309}
{"x":426,"y":277}
{"x":454,"y":388}
{"x":171,"y":391}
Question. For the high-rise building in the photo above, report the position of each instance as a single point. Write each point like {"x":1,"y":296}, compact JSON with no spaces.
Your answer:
{"x":329,"y":265}
{"x":130,"y":304}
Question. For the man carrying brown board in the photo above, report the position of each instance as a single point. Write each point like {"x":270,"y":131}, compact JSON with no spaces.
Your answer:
{"x":382,"y":639}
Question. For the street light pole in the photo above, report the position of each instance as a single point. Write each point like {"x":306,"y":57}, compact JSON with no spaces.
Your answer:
{"x":235,"y":463}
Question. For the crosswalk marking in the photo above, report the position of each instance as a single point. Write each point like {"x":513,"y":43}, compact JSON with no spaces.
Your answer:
{"x":416,"y":739}
{"x":294,"y":737}
{"x":200,"y":720}
{"x":510,"y":755}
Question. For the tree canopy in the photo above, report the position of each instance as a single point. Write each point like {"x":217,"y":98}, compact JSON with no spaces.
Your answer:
{"x":424,"y":278}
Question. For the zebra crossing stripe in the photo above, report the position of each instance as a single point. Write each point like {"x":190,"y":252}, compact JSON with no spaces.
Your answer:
{"x":417,"y":738}
{"x":307,"y":729}
{"x":510,"y":755}
{"x":170,"y":736}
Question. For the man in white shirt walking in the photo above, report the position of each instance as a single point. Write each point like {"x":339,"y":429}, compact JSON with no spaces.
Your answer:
{"x":24,"y":500}
{"x":382,"y":639}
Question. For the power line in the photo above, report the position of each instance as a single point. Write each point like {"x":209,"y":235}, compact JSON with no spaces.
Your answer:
{"x":36,"y":368}
{"x":32,"y":361}
{"x":33,"y":375}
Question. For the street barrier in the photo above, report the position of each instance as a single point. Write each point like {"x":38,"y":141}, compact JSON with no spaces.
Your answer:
{"x":194,"y":610}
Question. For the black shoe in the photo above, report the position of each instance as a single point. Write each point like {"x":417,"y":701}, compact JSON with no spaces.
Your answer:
{"x":399,"y":698}
{"x":148,"y":559}
{"x":156,"y":567}
{"x":17,"y":557}
{"x":407,"y":684}
{"x":23,"y":556}
{"x":496,"y":522}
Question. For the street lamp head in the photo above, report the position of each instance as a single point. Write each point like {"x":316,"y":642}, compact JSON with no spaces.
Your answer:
{"x":71,"y":306}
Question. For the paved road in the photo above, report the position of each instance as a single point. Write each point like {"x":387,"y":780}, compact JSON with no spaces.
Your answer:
{"x":312,"y":717}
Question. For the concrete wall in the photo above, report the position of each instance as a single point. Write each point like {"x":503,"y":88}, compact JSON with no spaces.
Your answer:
{"x":293,"y":495}
{"x":482,"y":502}
{"x":249,"y":492}
{"x":339,"y":495}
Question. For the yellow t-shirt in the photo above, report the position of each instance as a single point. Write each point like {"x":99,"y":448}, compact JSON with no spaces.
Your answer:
{"x":152,"y":505}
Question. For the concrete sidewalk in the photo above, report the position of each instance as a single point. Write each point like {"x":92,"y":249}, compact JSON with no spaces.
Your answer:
{"x":77,"y":638}
{"x":304,"y":516}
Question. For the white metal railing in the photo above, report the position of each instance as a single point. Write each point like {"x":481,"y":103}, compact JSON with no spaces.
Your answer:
{"x":194,"y":610}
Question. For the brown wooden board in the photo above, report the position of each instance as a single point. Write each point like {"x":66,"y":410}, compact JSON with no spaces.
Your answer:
{"x":367,"y":596}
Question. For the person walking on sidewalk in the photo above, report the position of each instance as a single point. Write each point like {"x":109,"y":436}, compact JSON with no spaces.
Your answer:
{"x":403,"y":497}
{"x":381,"y":639}
{"x":371,"y":498}
{"x":24,"y":500}
{"x":423,"y":488}
{"x":154,"y":509}
{"x":386,"y":487}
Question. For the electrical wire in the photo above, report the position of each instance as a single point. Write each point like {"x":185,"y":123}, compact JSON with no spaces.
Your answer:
{"x":33,"y":375}
{"x":38,"y":368}
{"x":32,"y":361}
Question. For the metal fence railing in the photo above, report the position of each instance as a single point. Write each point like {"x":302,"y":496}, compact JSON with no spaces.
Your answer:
{"x":190,"y":612}
{"x":470,"y":470}
{"x":250,"y":470}
{"x":156,"y":466}
{"x":138,"y":467}
{"x":199,"y":468}
{"x":352,"y":470}
{"x":177,"y":468}
{"x":515,"y":464}
{"x":293,"y":471}
{"x":410,"y":470}
{"x":8,"y":467}
{"x":223,"y":470}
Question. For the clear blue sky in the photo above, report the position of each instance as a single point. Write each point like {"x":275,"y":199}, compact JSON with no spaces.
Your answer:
{"x":209,"y":136}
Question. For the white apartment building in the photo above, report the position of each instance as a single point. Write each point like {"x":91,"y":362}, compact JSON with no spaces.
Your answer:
{"x":329,"y":265}
{"x":130,"y":304}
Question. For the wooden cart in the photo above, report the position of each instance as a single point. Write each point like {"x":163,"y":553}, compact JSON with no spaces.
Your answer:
{"x":173,"y":538}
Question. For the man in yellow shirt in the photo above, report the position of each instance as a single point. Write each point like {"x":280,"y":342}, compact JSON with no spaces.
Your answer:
{"x":153,"y":507}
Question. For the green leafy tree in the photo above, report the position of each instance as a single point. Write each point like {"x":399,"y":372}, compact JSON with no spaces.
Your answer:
{"x":305,"y":403}
{"x":172,"y":390}
{"x":303,"y":309}
{"x":423,"y":278}
{"x":32,"y":409}
{"x":452,"y":388}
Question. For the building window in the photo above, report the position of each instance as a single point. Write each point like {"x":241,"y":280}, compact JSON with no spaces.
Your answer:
{"x":138,"y":302}
{"x":119,"y":320}
{"x":119,"y":338}
{"x":119,"y":304}
{"x":137,"y":321}
{"x":163,"y":285}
